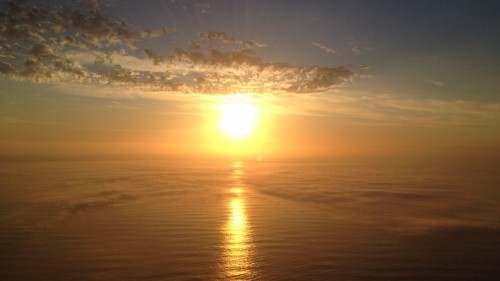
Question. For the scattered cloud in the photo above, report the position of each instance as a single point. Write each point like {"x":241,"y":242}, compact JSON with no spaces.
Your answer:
{"x":436,"y":83}
{"x":80,"y":45}
{"x":325,"y":48}
{"x":96,"y":4}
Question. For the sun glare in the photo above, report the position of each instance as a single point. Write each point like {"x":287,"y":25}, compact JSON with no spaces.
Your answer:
{"x":238,"y":120}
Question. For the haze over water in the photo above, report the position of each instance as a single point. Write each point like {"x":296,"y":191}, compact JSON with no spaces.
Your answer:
{"x":249,"y":220}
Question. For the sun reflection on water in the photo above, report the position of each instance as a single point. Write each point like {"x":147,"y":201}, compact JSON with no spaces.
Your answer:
{"x":237,"y":248}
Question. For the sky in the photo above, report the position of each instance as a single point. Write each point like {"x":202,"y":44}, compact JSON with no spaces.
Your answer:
{"x":123,"y":78}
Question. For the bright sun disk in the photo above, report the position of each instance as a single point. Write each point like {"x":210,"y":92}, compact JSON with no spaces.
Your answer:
{"x":238,"y":119}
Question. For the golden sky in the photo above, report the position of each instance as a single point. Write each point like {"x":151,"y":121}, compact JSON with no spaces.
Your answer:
{"x":126,"y":79}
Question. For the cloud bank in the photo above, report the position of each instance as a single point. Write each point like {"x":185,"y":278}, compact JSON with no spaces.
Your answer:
{"x":79,"y":44}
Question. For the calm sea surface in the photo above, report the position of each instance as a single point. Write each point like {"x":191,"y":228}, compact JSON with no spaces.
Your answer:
{"x":268,"y":220}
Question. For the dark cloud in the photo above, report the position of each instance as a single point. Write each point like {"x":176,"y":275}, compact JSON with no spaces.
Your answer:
{"x":54,"y":45}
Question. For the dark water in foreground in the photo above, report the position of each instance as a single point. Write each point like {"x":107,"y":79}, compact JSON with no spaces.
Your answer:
{"x":343,"y":220}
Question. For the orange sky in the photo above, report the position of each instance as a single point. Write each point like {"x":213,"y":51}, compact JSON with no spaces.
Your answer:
{"x":286,"y":127}
{"x":324,"y":85}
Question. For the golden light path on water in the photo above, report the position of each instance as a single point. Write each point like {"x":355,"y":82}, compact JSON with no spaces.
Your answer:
{"x":237,"y":248}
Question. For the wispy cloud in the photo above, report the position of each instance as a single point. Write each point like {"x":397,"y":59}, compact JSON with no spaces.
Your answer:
{"x":203,"y":7}
{"x":325,"y":48}
{"x":357,"y":49}
{"x":436,"y":83}
{"x":81,"y":45}
{"x":10,"y":121}
{"x":393,"y":110}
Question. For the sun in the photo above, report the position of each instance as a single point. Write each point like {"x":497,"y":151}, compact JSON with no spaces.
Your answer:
{"x":238,"y":119}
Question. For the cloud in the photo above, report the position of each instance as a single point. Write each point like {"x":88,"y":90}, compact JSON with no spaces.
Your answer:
{"x":5,"y":68}
{"x":80,"y":45}
{"x":8,"y":121}
{"x":393,"y":110}
{"x":436,"y":83}
{"x":34,"y":40}
{"x":95,"y":4}
{"x":324,"y":48}
{"x":357,"y":49}
{"x":203,"y":7}
{"x":361,"y":67}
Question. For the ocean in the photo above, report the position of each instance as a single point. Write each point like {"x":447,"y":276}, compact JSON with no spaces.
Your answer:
{"x":341,"y":219}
